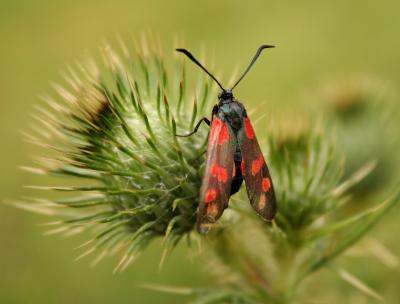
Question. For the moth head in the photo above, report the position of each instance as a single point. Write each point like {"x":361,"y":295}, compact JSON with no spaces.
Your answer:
{"x":224,"y":95}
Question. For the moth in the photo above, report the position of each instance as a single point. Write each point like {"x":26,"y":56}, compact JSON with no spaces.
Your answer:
{"x":233,"y":155}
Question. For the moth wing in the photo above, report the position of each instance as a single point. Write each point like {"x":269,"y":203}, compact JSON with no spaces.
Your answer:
{"x":217,"y":178}
{"x":258,"y":180}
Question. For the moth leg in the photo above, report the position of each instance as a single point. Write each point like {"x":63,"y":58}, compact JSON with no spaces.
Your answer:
{"x":200,"y":155}
{"x":205,"y":119}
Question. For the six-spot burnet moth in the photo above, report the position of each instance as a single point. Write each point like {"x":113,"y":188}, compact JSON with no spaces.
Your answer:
{"x":233,"y":153}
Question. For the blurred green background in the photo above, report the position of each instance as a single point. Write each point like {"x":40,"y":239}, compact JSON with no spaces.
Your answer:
{"x":318,"y":41}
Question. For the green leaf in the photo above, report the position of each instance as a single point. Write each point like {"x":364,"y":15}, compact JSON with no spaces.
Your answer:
{"x":355,"y":228}
{"x":360,"y":285}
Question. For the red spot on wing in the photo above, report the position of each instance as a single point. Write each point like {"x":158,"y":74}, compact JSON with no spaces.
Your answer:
{"x":233,"y":170}
{"x":222,"y":175}
{"x":224,"y":134}
{"x":248,"y":128}
{"x":257,"y":164}
{"x":214,"y":169}
{"x":266,"y":184}
{"x":242,"y":166}
{"x":219,"y":172}
{"x":215,"y":130}
{"x":211,"y":195}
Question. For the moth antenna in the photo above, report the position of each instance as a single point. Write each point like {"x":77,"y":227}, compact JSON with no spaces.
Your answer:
{"x":191,"y":57}
{"x":264,"y":46}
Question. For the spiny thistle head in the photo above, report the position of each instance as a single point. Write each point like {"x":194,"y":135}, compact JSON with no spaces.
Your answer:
{"x":307,"y":174}
{"x":363,"y":111}
{"x":114,"y":134}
